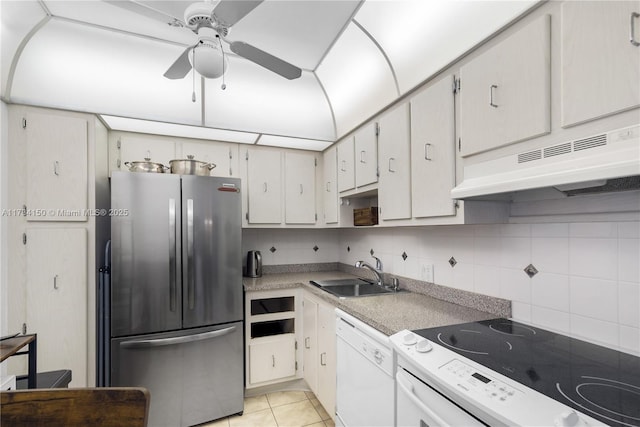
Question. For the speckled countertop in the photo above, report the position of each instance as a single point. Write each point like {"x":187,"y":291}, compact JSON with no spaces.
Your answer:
{"x":387,"y":313}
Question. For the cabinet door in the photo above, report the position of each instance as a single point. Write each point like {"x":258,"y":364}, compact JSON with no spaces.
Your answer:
{"x":600,"y":64}
{"x":56,"y":167}
{"x":505,"y":92}
{"x":57,"y":299}
{"x":346,"y":173}
{"x":366,"y":155}
{"x":264,"y":183}
{"x":394,"y":190}
{"x":223,"y":155}
{"x":330,"y":189}
{"x":272,"y":358}
{"x":433,"y":148}
{"x":327,"y":353}
{"x":136,"y":149}
{"x":310,"y":352}
{"x":300,"y":188}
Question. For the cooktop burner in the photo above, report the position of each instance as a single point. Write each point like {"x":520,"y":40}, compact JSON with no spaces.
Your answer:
{"x":592,"y":379}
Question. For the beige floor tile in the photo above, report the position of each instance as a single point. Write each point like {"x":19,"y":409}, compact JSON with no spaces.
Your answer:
{"x":321,"y":411}
{"x":224,"y":422}
{"x":329,"y":423}
{"x":296,"y":414}
{"x":320,"y":424}
{"x":262,"y":418}
{"x":257,"y":403}
{"x":284,"y":397}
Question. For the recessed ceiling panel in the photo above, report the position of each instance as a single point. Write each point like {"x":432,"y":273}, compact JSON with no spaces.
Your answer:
{"x":300,"y":32}
{"x":82,"y":68}
{"x":111,"y":16}
{"x":285,"y":142}
{"x":357,"y":79}
{"x":18,"y":18}
{"x":257,"y":100}
{"x":420,"y":37}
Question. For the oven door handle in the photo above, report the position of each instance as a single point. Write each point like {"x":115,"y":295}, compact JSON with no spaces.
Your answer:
{"x":407,"y":388}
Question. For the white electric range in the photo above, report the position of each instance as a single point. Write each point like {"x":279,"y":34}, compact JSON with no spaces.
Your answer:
{"x":503,"y":373}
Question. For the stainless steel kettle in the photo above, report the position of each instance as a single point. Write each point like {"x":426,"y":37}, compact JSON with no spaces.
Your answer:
{"x":254,"y":264}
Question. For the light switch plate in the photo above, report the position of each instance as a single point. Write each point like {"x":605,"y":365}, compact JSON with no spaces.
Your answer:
{"x":427,"y":272}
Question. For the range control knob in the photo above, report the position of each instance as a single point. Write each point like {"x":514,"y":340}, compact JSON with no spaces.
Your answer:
{"x":423,"y":346}
{"x":409,"y":338}
{"x":568,"y":419}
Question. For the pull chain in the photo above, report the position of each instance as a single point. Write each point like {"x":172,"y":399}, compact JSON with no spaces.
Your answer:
{"x":224,"y":86}
{"x":193,"y":94}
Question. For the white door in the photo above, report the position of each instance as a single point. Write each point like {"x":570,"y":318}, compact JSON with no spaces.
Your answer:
{"x":330,"y":188}
{"x":310,"y":343}
{"x":300,"y":188}
{"x":264,"y":184}
{"x":223,"y":155}
{"x":600,"y":63}
{"x":139,"y":148}
{"x":327,"y":357}
{"x":505,"y":94}
{"x":56,"y":168}
{"x":346,"y":174}
{"x":394,"y":188}
{"x":366,"y":155}
{"x":57,"y":299}
{"x":433,"y":148}
{"x":272,"y":358}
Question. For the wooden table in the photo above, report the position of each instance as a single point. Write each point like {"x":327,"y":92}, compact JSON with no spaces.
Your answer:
{"x":12,"y":346}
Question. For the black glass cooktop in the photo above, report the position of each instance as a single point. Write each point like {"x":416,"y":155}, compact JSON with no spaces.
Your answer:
{"x":592,"y":379}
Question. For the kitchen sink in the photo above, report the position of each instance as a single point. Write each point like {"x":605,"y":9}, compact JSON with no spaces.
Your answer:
{"x":351,"y":288}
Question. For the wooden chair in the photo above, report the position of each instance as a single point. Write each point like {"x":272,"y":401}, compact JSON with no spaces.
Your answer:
{"x":69,"y":407}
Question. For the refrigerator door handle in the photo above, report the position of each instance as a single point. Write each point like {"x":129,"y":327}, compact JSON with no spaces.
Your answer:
{"x":177,"y":340}
{"x":190,"y":279}
{"x":172,"y":254}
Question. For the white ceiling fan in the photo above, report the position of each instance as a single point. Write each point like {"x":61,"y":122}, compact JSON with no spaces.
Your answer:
{"x":211,"y":21}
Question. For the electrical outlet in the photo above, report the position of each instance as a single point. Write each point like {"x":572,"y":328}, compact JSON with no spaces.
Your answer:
{"x":427,"y":272}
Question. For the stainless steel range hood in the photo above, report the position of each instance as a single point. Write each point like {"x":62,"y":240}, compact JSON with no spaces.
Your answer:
{"x":608,"y":161}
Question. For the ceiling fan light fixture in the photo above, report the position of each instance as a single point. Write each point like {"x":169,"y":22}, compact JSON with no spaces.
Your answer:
{"x":209,"y":61}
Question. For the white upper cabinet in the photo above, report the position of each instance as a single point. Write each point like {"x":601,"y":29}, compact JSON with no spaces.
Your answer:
{"x":366,"y":155}
{"x":56,"y":167}
{"x":433,"y":150}
{"x":223,"y":155}
{"x":300,"y":185}
{"x":264,"y":185}
{"x":330,"y":185}
{"x":394,"y":187}
{"x":346,"y":173}
{"x":505,"y":92}
{"x":600,"y":59}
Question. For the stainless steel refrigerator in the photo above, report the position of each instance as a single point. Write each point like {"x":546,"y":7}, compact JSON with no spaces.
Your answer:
{"x":176,"y":294}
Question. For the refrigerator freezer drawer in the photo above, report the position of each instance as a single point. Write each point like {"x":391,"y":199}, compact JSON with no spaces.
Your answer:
{"x":194,"y":376}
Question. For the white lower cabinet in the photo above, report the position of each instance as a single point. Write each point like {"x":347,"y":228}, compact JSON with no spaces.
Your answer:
{"x":272,"y":358}
{"x":319,"y":338}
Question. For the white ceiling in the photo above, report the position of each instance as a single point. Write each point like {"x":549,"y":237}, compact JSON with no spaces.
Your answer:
{"x":357,"y":57}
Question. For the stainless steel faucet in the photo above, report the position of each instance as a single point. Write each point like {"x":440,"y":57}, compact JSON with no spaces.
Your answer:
{"x":363,"y":264}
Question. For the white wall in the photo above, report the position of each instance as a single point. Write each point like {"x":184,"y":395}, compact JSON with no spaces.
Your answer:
{"x":588,"y":283}
{"x":4,"y":139}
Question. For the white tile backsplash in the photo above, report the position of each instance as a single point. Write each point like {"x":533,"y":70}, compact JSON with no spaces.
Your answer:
{"x":589,"y":273}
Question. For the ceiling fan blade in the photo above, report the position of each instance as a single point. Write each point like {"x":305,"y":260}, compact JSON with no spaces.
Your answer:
{"x":180,"y":67}
{"x":228,"y":12}
{"x":266,"y":60}
{"x":148,"y":11}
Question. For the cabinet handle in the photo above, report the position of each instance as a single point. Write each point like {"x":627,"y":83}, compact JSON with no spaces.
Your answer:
{"x":343,"y":166}
{"x":306,"y":342}
{"x":301,"y":189}
{"x":55,"y":282}
{"x":328,"y":186}
{"x":56,"y":168}
{"x":632,"y":29}
{"x":148,"y":155}
{"x":265,"y":187}
{"x":491,"y":88}
{"x":191,"y":287}
{"x":390,"y":168}
{"x":323,"y":357}
{"x":426,"y":151}
{"x":362,"y":153}
{"x":273,"y":361}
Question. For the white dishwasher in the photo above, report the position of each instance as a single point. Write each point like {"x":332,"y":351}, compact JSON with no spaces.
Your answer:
{"x":365,"y":395}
